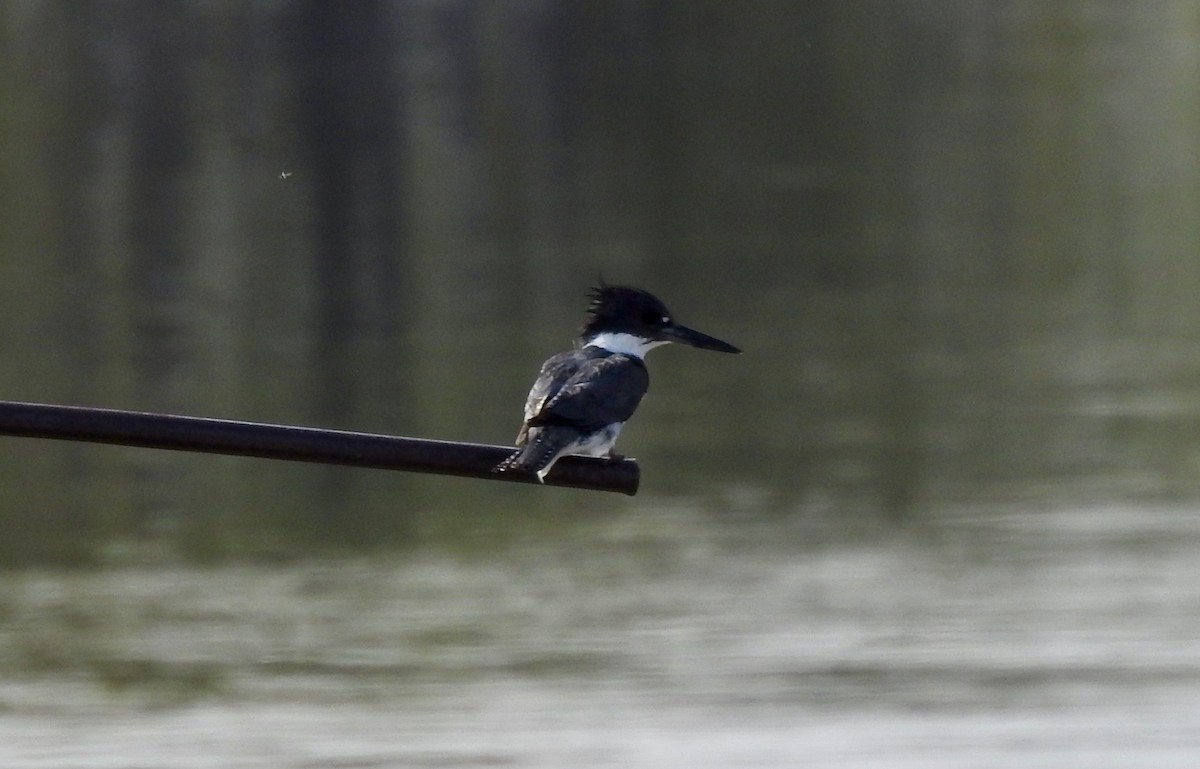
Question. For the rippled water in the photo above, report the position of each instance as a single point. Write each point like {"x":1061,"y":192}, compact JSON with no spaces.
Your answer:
{"x":996,"y":638}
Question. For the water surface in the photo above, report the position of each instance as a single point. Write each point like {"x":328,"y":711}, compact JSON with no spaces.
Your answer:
{"x":995,"y":638}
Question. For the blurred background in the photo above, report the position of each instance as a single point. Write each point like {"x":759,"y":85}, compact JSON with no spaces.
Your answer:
{"x":940,"y":513}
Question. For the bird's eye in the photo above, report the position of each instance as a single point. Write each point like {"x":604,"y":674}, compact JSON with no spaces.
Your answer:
{"x":654,"y":319}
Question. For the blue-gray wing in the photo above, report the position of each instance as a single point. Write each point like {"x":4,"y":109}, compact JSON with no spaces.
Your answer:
{"x":600,"y":389}
{"x":555,"y":373}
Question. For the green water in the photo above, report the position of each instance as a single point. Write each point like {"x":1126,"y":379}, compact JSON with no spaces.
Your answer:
{"x":999,"y":637}
{"x":957,"y":243}
{"x":940,"y":513}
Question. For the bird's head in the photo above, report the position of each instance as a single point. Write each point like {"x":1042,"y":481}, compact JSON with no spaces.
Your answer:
{"x":630,"y":320}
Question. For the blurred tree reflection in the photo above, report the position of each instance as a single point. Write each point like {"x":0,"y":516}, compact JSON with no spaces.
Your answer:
{"x":955,"y":238}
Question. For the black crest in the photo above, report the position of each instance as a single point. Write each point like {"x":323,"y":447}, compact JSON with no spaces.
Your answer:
{"x":624,"y":309}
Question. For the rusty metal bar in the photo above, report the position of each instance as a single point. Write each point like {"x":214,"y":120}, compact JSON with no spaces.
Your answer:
{"x":301,"y":444}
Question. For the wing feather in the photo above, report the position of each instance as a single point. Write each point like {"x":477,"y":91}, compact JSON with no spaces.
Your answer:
{"x":555,"y":373}
{"x":600,"y":391}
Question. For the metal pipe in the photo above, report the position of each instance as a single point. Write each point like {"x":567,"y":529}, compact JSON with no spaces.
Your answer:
{"x":301,"y":444}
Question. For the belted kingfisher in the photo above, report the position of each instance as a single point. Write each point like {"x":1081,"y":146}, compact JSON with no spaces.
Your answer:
{"x":583,"y":397}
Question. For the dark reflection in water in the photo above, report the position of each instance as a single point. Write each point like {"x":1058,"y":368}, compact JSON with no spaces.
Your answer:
{"x":956,"y":241}
{"x":660,"y":638}
{"x":939,"y":514}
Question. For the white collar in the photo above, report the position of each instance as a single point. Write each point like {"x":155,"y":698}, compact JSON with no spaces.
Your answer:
{"x":626,"y":344}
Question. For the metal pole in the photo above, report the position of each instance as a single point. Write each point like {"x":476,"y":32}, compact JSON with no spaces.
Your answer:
{"x":301,"y":444}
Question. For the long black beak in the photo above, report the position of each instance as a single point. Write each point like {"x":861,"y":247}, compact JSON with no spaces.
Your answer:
{"x":688,"y":336}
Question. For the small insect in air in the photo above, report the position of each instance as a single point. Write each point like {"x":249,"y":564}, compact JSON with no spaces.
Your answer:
{"x":284,"y":174}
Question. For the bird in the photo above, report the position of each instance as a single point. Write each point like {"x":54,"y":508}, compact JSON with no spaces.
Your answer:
{"x":582,"y":397}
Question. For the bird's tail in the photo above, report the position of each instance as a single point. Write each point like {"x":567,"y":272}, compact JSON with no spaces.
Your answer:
{"x":540,"y":454}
